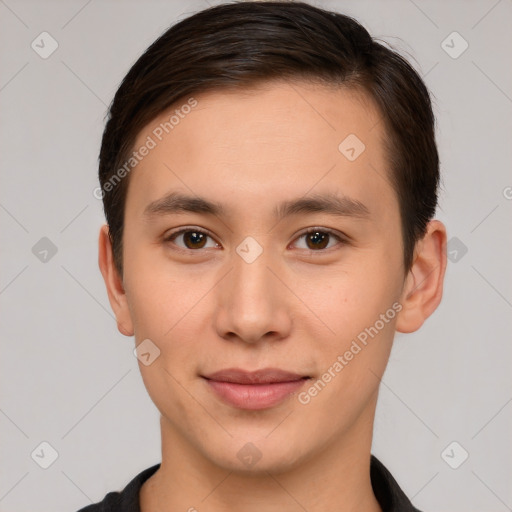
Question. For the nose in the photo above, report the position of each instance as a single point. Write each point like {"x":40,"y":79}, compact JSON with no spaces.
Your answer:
{"x":252,"y":303}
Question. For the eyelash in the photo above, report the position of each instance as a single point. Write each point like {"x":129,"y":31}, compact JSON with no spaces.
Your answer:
{"x":341,"y":240}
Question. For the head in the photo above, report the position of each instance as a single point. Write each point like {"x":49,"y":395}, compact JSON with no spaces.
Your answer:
{"x":271,"y":117}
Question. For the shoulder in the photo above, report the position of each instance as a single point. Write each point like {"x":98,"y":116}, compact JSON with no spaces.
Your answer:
{"x":390,"y":496}
{"x":126,"y":500}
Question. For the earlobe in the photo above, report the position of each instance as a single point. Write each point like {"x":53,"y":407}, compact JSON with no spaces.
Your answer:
{"x":114,"y":283}
{"x":423,"y":287}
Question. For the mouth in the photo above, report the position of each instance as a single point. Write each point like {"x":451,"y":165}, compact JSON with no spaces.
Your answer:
{"x":256,"y":390}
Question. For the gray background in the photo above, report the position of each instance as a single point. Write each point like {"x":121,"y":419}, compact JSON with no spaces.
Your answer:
{"x":70,"y":379}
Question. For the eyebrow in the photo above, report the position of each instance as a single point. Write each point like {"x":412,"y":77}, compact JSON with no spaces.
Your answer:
{"x":328,"y":203}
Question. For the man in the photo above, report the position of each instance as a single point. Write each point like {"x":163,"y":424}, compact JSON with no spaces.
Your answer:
{"x":269,"y":176}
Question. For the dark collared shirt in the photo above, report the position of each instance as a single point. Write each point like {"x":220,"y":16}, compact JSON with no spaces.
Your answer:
{"x":387,"y":491}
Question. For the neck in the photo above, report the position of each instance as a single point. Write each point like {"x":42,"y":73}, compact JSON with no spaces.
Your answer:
{"x":334,"y":478}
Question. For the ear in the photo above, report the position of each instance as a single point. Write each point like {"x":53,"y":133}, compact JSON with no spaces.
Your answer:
{"x":114,"y":283}
{"x":423,"y":288}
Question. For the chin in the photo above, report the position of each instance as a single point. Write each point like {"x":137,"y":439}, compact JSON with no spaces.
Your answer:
{"x":258,"y":457}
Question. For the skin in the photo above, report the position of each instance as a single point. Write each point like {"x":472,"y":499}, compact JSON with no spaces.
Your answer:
{"x":295,"y":307}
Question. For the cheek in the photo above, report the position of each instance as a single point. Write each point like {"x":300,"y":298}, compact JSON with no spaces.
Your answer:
{"x":360,"y":306}
{"x":166,"y":311}
{"x":349,"y":300}
{"x":362,"y":313}
{"x":169,"y":308}
{"x":161,"y":296}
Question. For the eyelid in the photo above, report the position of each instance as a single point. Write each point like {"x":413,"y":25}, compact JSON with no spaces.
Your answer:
{"x":341,"y":237}
{"x":181,"y":229}
{"x":184,"y":229}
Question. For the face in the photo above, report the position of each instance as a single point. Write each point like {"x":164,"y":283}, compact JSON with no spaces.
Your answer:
{"x":257,"y":236}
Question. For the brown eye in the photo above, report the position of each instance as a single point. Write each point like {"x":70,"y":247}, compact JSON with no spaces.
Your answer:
{"x":194,"y":239}
{"x":318,"y":239}
{"x":191,"y":239}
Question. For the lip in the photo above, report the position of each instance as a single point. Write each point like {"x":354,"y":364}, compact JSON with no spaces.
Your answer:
{"x":260,"y":389}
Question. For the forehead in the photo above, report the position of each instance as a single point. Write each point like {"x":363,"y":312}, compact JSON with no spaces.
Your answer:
{"x":276,"y":139}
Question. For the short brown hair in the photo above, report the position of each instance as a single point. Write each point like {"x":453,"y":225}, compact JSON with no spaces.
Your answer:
{"x":244,"y":43}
